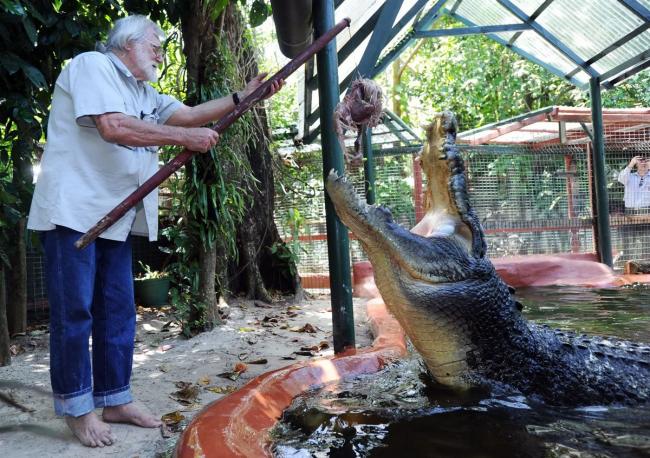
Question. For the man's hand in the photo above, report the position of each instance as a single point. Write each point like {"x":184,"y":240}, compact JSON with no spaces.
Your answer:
{"x":200,"y":139}
{"x":257,"y":82}
{"x":635,"y":160}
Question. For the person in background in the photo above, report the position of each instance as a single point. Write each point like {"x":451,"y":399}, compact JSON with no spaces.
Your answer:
{"x":637,"y":202}
{"x":105,"y":126}
{"x":637,"y":185}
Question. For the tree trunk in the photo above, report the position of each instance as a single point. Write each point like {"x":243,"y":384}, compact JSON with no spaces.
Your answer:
{"x":262,"y":268}
{"x":5,"y":355}
{"x":208,"y":262}
{"x":256,"y":269}
{"x":17,"y":290}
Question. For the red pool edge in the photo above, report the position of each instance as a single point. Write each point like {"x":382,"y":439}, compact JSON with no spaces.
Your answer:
{"x":238,"y":425}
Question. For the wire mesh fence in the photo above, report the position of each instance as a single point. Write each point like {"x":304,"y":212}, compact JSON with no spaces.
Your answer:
{"x":535,"y":198}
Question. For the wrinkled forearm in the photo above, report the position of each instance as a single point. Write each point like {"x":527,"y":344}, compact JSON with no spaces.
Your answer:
{"x":127,"y":130}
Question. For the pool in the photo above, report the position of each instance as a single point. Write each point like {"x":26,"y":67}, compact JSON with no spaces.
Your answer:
{"x":398,"y":412}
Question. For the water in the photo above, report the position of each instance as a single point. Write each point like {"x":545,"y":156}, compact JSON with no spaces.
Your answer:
{"x":399,"y":413}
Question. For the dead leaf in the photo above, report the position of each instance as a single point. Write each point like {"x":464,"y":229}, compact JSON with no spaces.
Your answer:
{"x":323,"y":345}
{"x":258,"y":361}
{"x":203,"y":381}
{"x":230,"y":375}
{"x":163,"y":368}
{"x":306,"y":328}
{"x":304,"y":353}
{"x":289,"y":357}
{"x":150,"y":329}
{"x":187,"y":393}
{"x":262,"y":304}
{"x":226,"y":389}
{"x":16,"y":349}
{"x":243,"y":356}
{"x":246,"y":329}
{"x":294,"y":307}
{"x":240,"y":367}
{"x":172,"y":418}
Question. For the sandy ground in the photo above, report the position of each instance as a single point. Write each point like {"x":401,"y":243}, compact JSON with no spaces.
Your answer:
{"x":173,"y":377}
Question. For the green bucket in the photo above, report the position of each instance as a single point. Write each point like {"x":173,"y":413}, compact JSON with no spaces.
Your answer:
{"x":151,"y":292}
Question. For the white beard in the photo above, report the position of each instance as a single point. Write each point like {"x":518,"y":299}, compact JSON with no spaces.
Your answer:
{"x":147,"y":66}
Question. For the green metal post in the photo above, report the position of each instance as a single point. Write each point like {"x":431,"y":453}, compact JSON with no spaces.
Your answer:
{"x":337,"y":234}
{"x":368,"y":165}
{"x":604,"y":240}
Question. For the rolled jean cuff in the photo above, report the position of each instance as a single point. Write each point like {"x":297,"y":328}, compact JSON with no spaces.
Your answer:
{"x":113,"y":397}
{"x":74,"y":405}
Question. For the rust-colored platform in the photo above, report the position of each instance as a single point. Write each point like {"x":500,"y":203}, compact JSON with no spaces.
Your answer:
{"x":238,"y":424}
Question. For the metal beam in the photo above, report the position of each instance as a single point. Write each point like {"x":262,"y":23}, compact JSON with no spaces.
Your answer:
{"x":470,"y":30}
{"x":557,"y":44}
{"x":617,"y":44}
{"x":455,"y":7}
{"x":368,"y":166}
{"x":533,"y":17}
{"x":637,"y":8}
{"x":425,"y":22}
{"x":623,"y":76}
{"x":379,"y":37}
{"x":549,"y":111}
{"x":642,"y":57}
{"x":604,"y":239}
{"x":337,"y":235}
{"x":352,"y":44}
{"x":523,"y":53}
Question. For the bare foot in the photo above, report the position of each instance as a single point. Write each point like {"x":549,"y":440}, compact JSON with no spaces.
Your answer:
{"x":130,"y":413}
{"x":90,"y":430}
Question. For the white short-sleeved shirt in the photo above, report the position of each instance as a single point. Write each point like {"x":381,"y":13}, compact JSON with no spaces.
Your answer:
{"x":637,"y":189}
{"x":83,"y":177}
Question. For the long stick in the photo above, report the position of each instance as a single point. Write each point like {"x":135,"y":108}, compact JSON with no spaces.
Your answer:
{"x":165,"y":171}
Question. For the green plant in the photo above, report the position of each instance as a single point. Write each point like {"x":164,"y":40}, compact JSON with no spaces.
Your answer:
{"x":147,"y":273}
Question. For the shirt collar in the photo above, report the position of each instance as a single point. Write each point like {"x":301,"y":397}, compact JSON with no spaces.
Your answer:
{"x":119,"y":65}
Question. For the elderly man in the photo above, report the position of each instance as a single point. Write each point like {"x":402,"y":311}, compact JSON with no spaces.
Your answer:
{"x":104,"y":128}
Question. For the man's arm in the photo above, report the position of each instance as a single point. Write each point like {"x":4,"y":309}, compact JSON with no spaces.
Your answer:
{"x":127,"y":130}
{"x":625,"y":173}
{"x":213,"y":110}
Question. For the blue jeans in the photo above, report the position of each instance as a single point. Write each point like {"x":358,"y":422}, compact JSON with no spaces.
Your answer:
{"x":90,"y":292}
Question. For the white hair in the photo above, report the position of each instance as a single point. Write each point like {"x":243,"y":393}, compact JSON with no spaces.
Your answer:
{"x":130,"y":28}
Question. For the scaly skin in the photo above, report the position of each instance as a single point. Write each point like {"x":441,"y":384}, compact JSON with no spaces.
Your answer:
{"x":460,"y":315}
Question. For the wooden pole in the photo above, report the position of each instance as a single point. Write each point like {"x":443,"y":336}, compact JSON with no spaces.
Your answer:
{"x":165,"y":171}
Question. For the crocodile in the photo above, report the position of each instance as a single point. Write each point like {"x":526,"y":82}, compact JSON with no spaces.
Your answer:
{"x":461,"y":317}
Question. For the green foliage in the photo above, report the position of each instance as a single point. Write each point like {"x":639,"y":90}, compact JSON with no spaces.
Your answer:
{"x":208,"y":204}
{"x":36,"y":38}
{"x":148,"y":273}
{"x":259,"y":11}
{"x":633,"y":92}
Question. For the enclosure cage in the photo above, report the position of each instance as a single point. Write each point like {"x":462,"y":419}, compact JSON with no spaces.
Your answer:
{"x":530,"y":182}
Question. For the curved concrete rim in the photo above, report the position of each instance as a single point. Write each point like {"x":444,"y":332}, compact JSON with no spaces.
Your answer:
{"x":237,"y":425}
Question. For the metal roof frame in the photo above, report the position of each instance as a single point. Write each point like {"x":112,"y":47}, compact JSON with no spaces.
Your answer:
{"x":396,"y":24}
